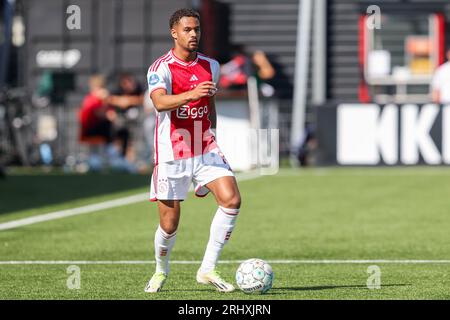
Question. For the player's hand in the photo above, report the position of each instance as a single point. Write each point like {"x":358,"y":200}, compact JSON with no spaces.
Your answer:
{"x":111,"y":115}
{"x":204,"y":89}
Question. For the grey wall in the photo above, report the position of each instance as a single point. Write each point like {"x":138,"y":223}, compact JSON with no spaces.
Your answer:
{"x":115,"y":36}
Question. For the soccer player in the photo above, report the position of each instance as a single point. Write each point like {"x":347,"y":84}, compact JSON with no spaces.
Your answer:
{"x":182,"y":88}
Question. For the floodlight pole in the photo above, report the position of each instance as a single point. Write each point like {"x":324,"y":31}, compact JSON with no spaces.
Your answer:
{"x":300,"y":78}
{"x":320,"y":57}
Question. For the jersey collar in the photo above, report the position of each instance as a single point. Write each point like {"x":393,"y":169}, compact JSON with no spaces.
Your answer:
{"x":183,"y":63}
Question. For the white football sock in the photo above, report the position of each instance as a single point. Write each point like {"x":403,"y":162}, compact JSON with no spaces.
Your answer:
{"x":220,"y":232}
{"x":163,"y":246}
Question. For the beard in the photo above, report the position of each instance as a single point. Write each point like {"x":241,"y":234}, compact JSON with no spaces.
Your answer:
{"x":192,"y":46}
{"x":192,"y":49}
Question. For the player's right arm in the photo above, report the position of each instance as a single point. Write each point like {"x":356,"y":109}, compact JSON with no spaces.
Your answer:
{"x":166,"y":102}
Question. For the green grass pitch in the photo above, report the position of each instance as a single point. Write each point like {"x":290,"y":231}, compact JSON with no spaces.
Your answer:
{"x":314,"y":214}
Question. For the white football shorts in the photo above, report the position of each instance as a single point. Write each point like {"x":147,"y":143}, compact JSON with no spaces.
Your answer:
{"x":171,"y":180}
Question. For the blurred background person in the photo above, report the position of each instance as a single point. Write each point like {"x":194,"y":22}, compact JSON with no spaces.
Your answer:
{"x":96,"y":119}
{"x":440,"y":85}
{"x":98,"y":127}
{"x":127,"y":98}
{"x":245,"y":64}
{"x":234,"y":73}
{"x":96,"y":116}
{"x":264,"y":69}
{"x":264,"y":72}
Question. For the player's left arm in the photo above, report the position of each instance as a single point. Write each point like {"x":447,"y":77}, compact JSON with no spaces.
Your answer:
{"x":212,"y":113}
{"x":215,"y":68}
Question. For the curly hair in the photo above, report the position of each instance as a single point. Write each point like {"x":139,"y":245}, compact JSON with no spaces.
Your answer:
{"x":177,"y":15}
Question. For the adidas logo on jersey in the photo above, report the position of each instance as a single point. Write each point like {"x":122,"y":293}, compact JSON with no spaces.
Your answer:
{"x":193,"y":78}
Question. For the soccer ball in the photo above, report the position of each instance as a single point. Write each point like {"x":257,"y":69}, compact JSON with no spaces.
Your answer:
{"x":254,"y":276}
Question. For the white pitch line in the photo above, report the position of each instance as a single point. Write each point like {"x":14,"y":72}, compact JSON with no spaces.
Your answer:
{"x":94,"y":207}
{"x":130,"y":262}
{"x":75,"y":211}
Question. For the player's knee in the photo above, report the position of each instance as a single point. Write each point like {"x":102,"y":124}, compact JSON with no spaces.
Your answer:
{"x":169,"y":227}
{"x":233,"y":202}
{"x":236,"y":203}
